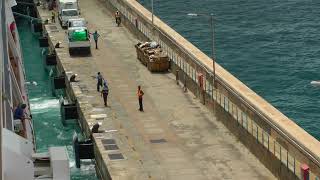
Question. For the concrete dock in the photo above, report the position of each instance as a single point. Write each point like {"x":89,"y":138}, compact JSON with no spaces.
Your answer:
{"x":176,"y":137}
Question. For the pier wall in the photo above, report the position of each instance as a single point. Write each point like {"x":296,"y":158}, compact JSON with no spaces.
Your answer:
{"x":73,"y":94}
{"x":280,"y":144}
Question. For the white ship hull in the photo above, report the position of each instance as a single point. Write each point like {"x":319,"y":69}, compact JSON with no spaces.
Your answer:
{"x":18,"y":158}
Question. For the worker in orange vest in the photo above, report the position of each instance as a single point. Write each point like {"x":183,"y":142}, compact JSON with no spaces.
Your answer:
{"x":140,"y":94}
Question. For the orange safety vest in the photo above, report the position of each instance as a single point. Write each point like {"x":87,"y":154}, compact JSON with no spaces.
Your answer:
{"x":140,"y":93}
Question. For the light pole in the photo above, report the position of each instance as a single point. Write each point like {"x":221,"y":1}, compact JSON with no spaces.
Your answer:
{"x":152,"y":11}
{"x":212,"y":42}
{"x":212,"y":53}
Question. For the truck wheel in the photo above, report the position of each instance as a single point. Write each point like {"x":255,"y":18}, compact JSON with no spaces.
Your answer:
{"x":70,"y":52}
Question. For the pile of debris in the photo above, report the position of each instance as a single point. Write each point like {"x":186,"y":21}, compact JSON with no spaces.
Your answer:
{"x":151,"y":55}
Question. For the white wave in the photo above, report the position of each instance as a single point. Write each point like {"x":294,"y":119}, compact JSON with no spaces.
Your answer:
{"x":40,"y":104}
{"x":61,"y":136}
{"x":315,"y":83}
{"x":72,"y":164}
{"x":36,"y":99}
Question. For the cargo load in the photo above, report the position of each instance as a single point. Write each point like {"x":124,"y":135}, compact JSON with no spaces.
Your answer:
{"x":151,"y":55}
{"x":79,"y":35}
{"x":78,"y":40}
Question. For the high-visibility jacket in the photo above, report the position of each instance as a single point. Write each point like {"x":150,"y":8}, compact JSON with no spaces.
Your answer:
{"x":140,"y":94}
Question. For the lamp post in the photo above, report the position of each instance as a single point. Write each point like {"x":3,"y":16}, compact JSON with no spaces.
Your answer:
{"x":212,"y":41}
{"x":210,"y":16}
{"x":152,"y":11}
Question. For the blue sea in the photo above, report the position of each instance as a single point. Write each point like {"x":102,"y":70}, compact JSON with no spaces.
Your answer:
{"x":272,"y":46}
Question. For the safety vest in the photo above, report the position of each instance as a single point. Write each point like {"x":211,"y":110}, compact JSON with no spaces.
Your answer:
{"x":140,"y":93}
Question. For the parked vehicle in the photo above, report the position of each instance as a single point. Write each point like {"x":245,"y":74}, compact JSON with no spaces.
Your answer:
{"x":67,"y":9}
{"x":67,"y":14}
{"x":79,"y":40}
{"x":67,"y":4}
{"x":78,"y":22}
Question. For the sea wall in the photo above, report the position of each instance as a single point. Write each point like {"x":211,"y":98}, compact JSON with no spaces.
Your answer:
{"x":280,"y":144}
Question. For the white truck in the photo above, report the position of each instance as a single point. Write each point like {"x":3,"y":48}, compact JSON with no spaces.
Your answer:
{"x":67,"y":9}
{"x":78,"y":22}
{"x":79,"y":40}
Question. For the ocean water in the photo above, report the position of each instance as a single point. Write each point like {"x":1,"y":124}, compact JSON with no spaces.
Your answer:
{"x":45,"y":108}
{"x":272,"y":46}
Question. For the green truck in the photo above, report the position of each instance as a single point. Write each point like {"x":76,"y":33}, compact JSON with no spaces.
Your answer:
{"x":79,"y":40}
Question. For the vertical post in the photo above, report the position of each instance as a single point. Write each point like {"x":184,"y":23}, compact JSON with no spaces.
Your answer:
{"x":212,"y":49}
{"x":280,"y":154}
{"x":287,"y":160}
{"x":268,"y":143}
{"x":185,"y":89}
{"x":257,"y":134}
{"x":152,"y":11}
{"x":214,"y":87}
{"x":177,"y":76}
{"x":3,"y":40}
{"x":294,"y":165}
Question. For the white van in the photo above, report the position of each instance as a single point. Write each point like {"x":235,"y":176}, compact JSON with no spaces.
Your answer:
{"x":67,"y":4}
{"x":67,"y":14}
{"x":67,"y":9}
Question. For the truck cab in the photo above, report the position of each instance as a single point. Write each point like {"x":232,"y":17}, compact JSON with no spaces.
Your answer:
{"x":78,"y":22}
{"x":67,"y":4}
{"x":67,"y":14}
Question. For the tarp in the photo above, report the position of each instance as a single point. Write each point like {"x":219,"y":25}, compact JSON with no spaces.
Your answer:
{"x":79,"y":35}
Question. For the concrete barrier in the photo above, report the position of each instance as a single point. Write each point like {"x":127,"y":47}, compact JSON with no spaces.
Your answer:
{"x":280,"y":144}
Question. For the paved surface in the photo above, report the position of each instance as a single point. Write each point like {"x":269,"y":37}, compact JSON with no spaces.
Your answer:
{"x":196,"y":145}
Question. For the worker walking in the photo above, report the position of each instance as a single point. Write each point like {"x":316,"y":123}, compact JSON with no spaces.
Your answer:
{"x":99,"y":81}
{"x":53,"y":17}
{"x":104,"y":94}
{"x":96,"y":37}
{"x":118,"y":18}
{"x":140,"y":94}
